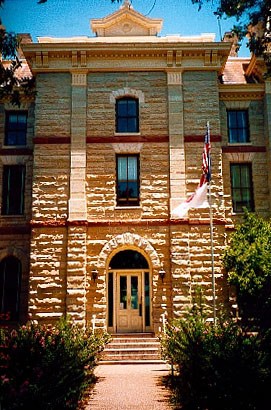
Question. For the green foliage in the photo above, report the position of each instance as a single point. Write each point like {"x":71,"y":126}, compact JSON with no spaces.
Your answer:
{"x":253,"y":17}
{"x":247,"y":260}
{"x":47,"y":368}
{"x":218,"y":367}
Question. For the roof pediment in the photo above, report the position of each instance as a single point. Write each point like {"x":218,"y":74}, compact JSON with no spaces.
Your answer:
{"x":126,"y":22}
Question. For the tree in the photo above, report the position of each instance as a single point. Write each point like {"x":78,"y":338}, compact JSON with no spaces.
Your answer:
{"x":11,"y":83}
{"x":254,"y":22}
{"x":247,"y":260}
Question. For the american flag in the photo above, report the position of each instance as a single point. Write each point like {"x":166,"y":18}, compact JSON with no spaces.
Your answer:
{"x":206,"y":159}
{"x":199,"y":198}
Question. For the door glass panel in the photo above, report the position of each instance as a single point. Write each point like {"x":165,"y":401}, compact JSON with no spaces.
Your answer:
{"x":134,"y":292}
{"x":147,"y":299}
{"x":110,"y":299}
{"x":123,"y":292}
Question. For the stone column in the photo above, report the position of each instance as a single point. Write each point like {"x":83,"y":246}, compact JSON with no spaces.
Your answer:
{"x":179,"y":234}
{"x":176,"y":138}
{"x":77,"y":230}
{"x":77,"y":201}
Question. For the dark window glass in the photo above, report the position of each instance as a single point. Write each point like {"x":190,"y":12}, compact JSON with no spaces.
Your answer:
{"x":128,"y":180}
{"x":241,"y":186}
{"x":238,"y":129}
{"x":128,"y":259}
{"x":16,"y":128}
{"x":127,"y":115}
{"x":10,"y":282}
{"x":13,"y":190}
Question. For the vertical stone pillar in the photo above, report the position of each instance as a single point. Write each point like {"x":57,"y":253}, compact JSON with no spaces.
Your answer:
{"x":77,"y":201}
{"x":77,"y":230}
{"x":176,"y":138}
{"x":179,"y":235}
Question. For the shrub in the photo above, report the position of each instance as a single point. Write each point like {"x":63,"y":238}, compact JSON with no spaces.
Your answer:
{"x":218,"y":367}
{"x":47,"y":367}
{"x":247,"y":260}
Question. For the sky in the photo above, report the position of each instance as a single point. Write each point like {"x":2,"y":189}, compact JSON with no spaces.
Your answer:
{"x":68,"y":18}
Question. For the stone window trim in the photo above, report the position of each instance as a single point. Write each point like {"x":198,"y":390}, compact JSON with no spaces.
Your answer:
{"x":128,"y":240}
{"x":127,"y":92}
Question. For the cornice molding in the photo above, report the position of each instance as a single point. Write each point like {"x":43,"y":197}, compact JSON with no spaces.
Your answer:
{"x":241,"y":92}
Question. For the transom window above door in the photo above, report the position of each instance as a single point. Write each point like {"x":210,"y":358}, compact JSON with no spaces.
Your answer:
{"x":127,"y":115}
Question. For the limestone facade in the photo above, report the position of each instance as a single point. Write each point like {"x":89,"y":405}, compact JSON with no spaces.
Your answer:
{"x":72,"y":233}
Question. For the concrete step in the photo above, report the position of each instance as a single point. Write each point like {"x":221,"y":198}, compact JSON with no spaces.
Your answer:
{"x":123,"y":348}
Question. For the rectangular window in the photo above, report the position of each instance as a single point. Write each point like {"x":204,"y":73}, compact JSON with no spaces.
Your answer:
{"x":16,"y":128}
{"x":127,"y":180}
{"x":127,"y":115}
{"x":238,"y":128}
{"x":13,"y":190}
{"x":242,"y":187}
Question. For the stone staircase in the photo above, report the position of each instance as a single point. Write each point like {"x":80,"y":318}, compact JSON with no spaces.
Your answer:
{"x":132,"y":348}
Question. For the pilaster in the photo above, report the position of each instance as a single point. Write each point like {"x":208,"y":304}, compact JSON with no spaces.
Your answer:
{"x":77,"y":235}
{"x":176,"y":137}
{"x":77,"y":201}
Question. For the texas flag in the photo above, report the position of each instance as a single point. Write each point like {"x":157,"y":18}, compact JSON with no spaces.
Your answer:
{"x":199,"y":198}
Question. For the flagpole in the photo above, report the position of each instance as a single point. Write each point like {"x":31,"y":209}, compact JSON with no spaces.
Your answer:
{"x":211,"y":234}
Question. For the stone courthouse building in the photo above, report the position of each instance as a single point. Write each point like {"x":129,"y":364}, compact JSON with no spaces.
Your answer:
{"x":92,"y":167}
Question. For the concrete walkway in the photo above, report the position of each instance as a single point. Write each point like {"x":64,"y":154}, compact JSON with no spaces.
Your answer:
{"x":130,"y":386}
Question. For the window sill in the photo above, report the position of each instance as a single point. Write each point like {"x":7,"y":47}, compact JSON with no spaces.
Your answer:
{"x":239,"y":143}
{"x":120,"y":208}
{"x":12,"y":216}
{"x":124,"y":134}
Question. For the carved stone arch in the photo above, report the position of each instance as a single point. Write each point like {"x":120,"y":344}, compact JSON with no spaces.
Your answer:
{"x":133,"y":241}
{"x":127,"y":92}
{"x":15,"y":252}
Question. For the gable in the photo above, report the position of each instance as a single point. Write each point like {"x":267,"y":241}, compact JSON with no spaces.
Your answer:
{"x":126,"y":22}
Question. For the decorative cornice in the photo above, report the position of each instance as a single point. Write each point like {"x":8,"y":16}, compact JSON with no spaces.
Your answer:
{"x":240,"y":92}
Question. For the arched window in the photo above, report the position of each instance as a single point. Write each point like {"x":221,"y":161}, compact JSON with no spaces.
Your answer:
{"x":128,"y":259}
{"x":10,"y":283}
{"x":127,"y":115}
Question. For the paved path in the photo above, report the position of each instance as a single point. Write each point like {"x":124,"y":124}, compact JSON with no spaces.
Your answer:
{"x":127,"y":386}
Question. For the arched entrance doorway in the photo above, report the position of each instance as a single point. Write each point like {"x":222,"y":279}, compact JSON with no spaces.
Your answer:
{"x":129,"y":293}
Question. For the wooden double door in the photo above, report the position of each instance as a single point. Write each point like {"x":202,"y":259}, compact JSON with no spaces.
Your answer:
{"x":129,"y":301}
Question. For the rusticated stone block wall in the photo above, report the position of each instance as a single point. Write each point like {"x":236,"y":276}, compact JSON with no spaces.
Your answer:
{"x":48,"y":282}
{"x":101,"y":107}
{"x":101,"y":181}
{"x":53,"y":105}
